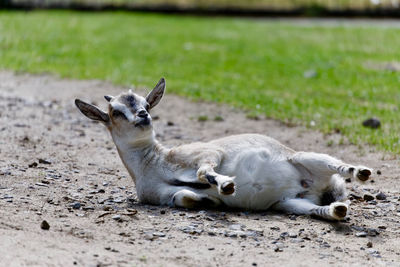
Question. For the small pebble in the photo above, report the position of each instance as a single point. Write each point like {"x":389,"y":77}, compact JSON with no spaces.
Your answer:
{"x":149,"y":236}
{"x":43,"y":161}
{"x":33,"y":165}
{"x":159,"y":234}
{"x":45,"y":225}
{"x":372,"y":232}
{"x":338,"y":249}
{"x":355,"y":196}
{"x":297,"y":240}
{"x":41,"y":184}
{"x":116,"y":217}
{"x":374,"y":253}
{"x":119,"y":200}
{"x":325,"y":245}
{"x":233,"y":234}
{"x":284,"y":234}
{"x":235,"y":227}
{"x":368,"y":197}
{"x":5,"y":172}
{"x":380,"y":196}
{"x":361,"y":234}
{"x":76,"y":205}
{"x":292,"y":235}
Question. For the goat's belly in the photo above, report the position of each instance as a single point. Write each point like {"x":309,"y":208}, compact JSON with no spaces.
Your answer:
{"x":261,"y":180}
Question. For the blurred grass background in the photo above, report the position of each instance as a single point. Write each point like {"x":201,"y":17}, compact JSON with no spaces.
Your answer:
{"x":330,"y":78}
{"x":243,"y":4}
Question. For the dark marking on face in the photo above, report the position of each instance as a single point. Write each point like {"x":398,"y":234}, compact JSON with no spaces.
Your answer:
{"x":211,"y":179}
{"x":131,"y":101}
{"x":118,"y":114}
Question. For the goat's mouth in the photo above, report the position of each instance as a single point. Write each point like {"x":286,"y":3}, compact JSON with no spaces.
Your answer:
{"x":143,"y":122}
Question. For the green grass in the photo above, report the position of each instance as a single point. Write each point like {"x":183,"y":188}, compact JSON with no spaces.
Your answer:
{"x":254,"y":4}
{"x":252,"y":64}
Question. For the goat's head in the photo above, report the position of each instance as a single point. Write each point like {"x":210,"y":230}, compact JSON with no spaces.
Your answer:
{"x":128,"y":117}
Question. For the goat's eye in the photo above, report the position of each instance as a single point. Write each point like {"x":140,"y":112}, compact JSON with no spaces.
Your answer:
{"x":147,"y":107}
{"x":117,"y":113}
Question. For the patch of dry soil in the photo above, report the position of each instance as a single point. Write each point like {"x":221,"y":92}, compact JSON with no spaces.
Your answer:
{"x":58,"y":166}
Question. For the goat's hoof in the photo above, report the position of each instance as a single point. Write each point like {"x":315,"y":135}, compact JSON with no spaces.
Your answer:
{"x":363,"y":174}
{"x":228,"y":188}
{"x":339,"y":211}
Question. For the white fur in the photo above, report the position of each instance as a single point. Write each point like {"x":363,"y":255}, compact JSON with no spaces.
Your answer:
{"x":262,"y":172}
{"x":124,"y":109}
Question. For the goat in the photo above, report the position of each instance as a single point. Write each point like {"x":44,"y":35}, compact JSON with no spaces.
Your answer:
{"x":247,"y":171}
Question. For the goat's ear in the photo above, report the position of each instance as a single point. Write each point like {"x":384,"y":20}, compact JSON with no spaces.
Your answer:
{"x":108,"y":98}
{"x":92,"y":112}
{"x":154,"y":97}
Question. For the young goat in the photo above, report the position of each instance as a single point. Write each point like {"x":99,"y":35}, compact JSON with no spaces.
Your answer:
{"x":247,"y":171}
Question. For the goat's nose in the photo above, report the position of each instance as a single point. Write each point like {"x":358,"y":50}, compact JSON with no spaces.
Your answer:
{"x":142,"y":114}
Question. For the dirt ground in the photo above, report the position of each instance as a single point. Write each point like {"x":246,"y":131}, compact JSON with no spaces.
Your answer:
{"x":57,"y":166}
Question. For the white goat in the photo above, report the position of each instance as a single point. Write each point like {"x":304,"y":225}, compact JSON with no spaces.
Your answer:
{"x":248,"y":171}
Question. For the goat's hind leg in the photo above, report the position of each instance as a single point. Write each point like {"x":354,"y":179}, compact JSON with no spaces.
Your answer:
{"x":325,"y":165}
{"x":299,"y":206}
{"x":191,"y":200}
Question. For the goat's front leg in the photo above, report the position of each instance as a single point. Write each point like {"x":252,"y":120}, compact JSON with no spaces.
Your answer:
{"x":299,"y":206}
{"x":325,"y":166}
{"x":206,"y":173}
{"x":205,"y":158}
{"x":224,"y":184}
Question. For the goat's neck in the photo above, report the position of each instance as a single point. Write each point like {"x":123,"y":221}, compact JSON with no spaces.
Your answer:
{"x":137,"y":156}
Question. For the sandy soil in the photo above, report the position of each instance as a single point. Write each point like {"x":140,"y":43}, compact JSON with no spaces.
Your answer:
{"x":58,"y":166}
